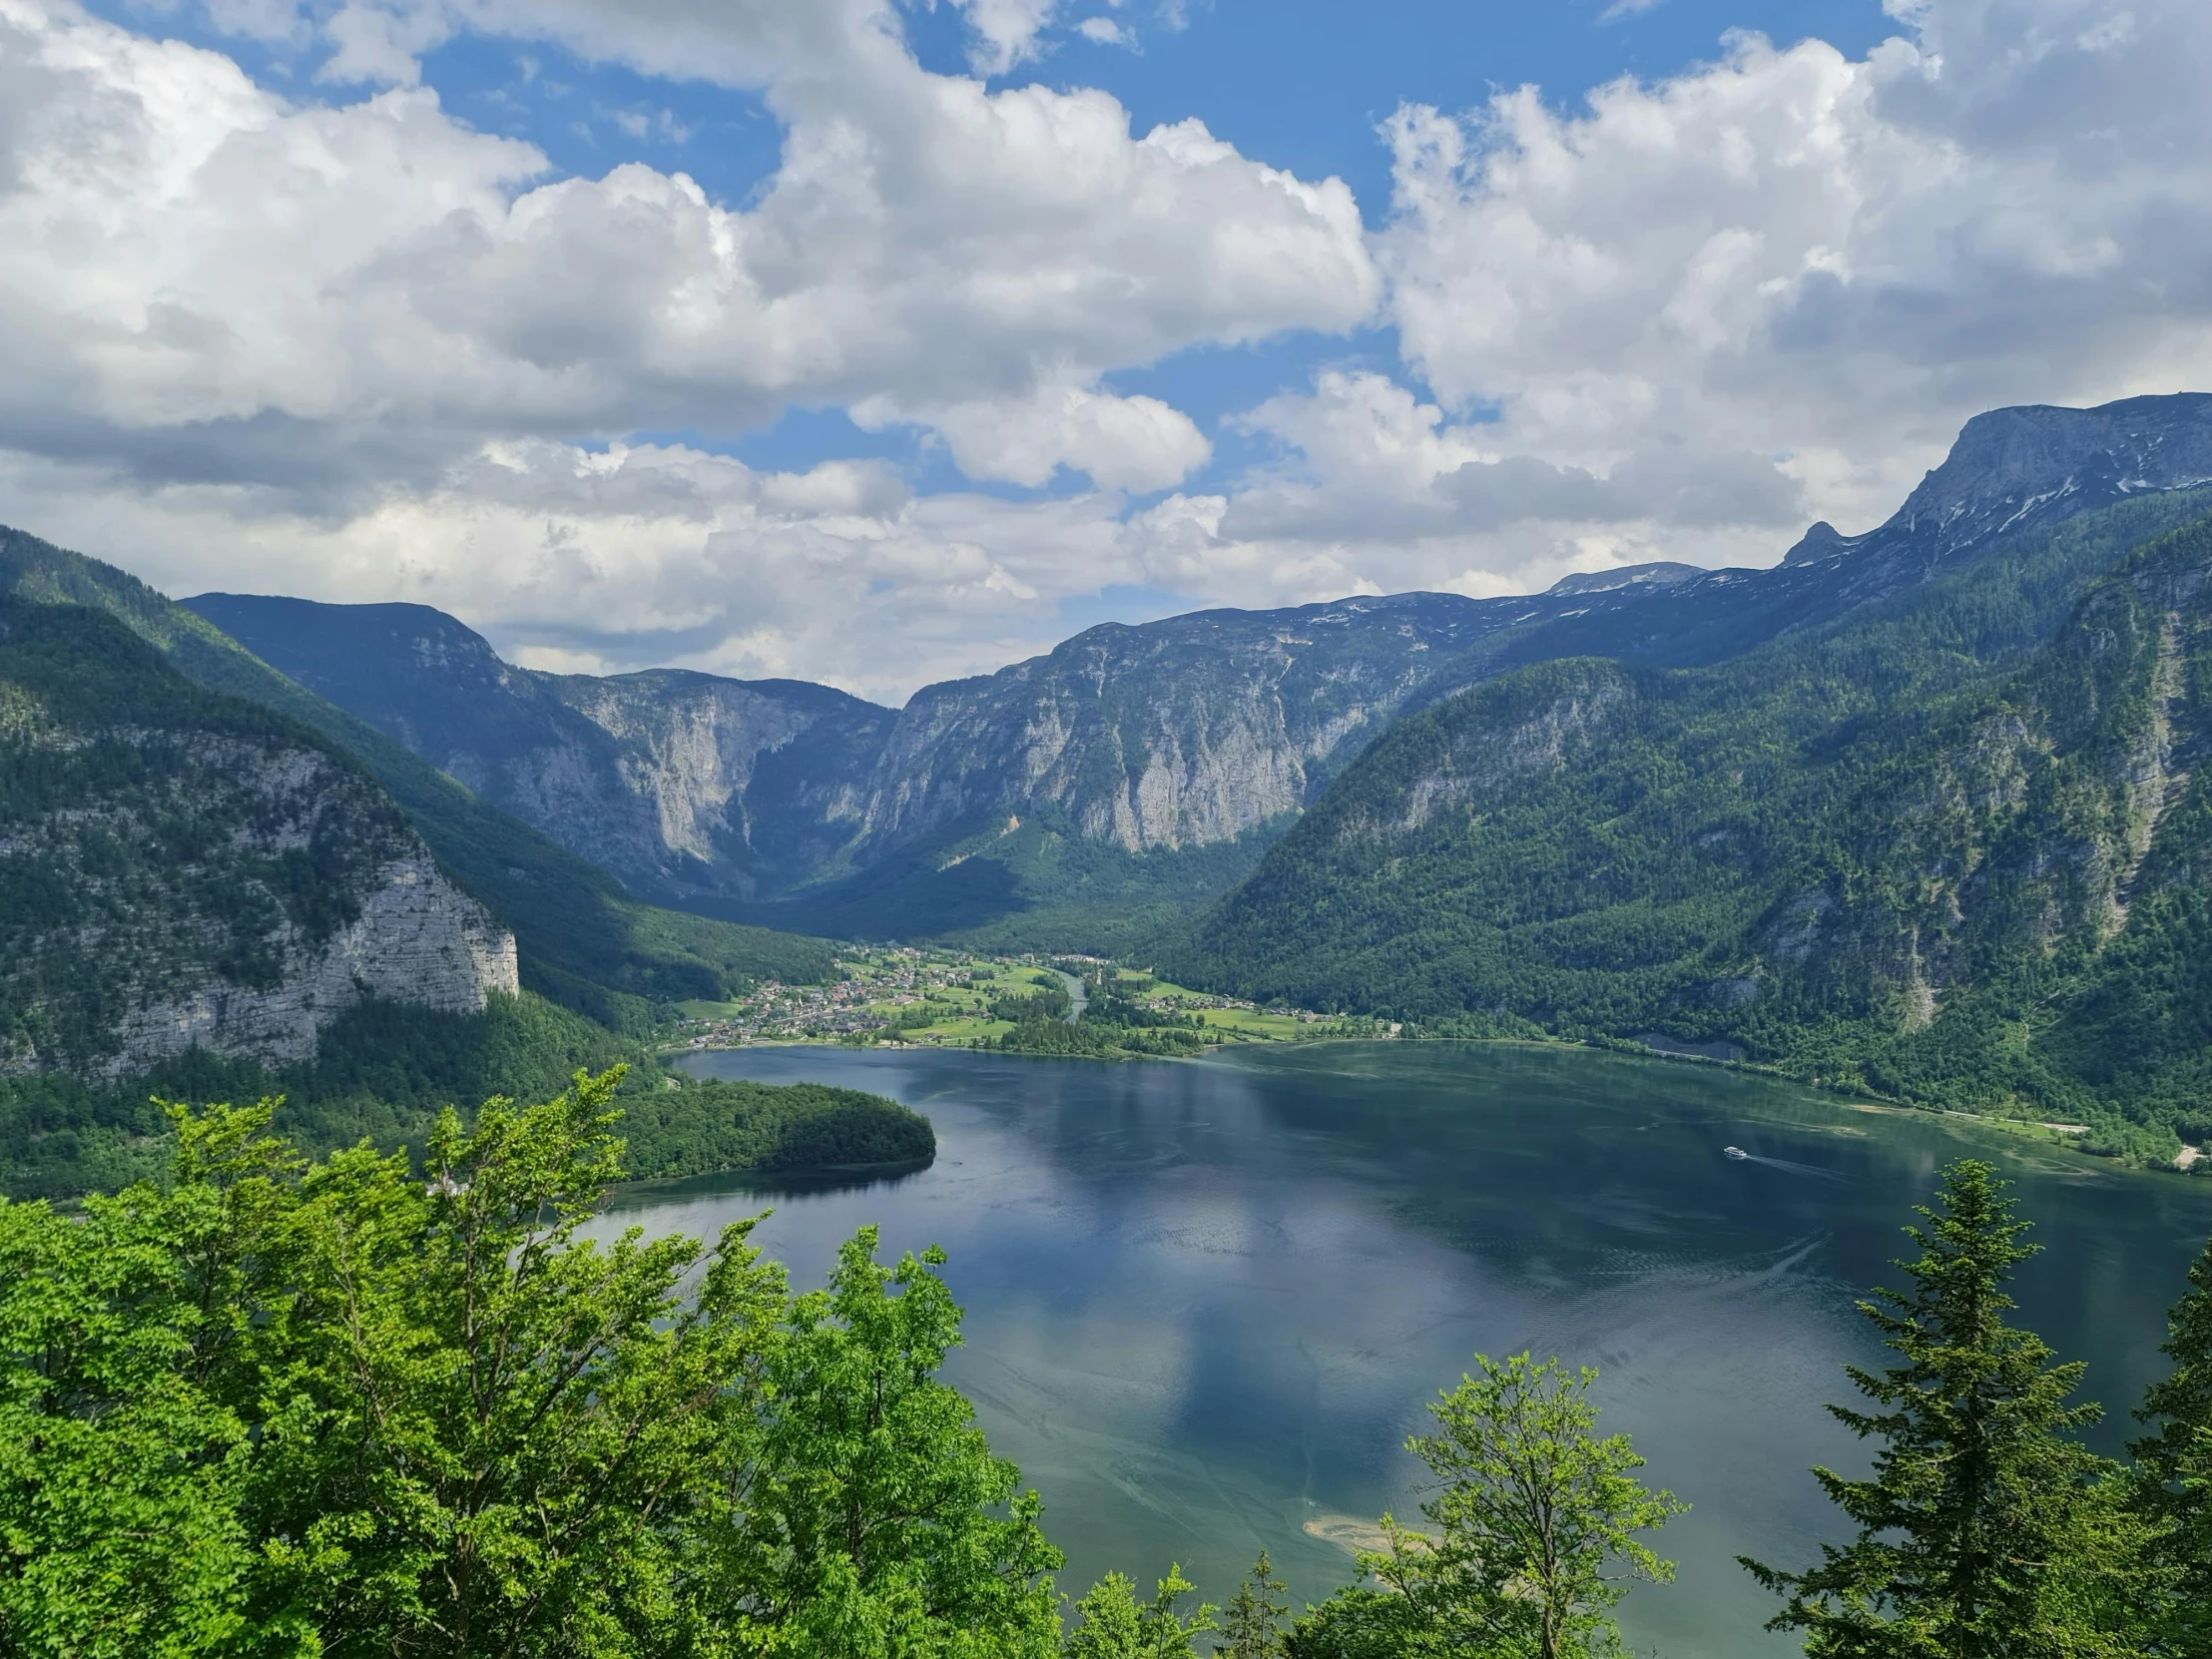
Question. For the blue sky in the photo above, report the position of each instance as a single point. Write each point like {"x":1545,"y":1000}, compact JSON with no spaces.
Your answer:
{"x":874,"y":341}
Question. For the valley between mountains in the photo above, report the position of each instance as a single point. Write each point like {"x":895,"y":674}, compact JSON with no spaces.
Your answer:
{"x":1913,"y":812}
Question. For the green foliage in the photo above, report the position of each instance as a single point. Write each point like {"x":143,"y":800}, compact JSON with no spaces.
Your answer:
{"x":707,"y":1128}
{"x":380,"y":1071}
{"x":267,"y":1406}
{"x":1252,"y":1623}
{"x":484,"y":1420}
{"x":1044,"y":886}
{"x":1942,"y":847}
{"x":384,"y":1071}
{"x":1114,"y":1002}
{"x":119,"y":1457}
{"x":876,"y":1522}
{"x":2172,"y":1478}
{"x":1987,"y":1530}
{"x":1534,"y":1527}
{"x":1355,"y":1623}
{"x":1050,"y":1001}
{"x":1113,"y":1026}
{"x":1089,"y":1040}
{"x":1116,"y":1625}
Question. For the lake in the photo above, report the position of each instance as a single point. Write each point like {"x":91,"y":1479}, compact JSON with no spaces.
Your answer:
{"x":1207,"y":1301}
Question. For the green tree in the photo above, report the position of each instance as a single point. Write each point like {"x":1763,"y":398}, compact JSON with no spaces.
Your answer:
{"x":277,"y":1408}
{"x":1987,"y":1530}
{"x":483,"y":1429}
{"x":1252,"y":1626}
{"x":864,"y":1512}
{"x":1356,"y":1623}
{"x":2173,"y":1474}
{"x":1534,"y":1523}
{"x":121,"y":1458}
{"x":1114,"y":1624}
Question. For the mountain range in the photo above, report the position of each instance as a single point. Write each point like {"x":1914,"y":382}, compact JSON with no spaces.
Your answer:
{"x":1909,"y":810}
{"x":1087,"y":798}
{"x":1945,"y":846}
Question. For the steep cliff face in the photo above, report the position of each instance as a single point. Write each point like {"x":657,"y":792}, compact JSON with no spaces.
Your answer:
{"x":2024,"y":468}
{"x":437,"y":687}
{"x":181,"y":870}
{"x":752,"y":785}
{"x":677,"y":782}
{"x":414,"y":938}
{"x":2033,"y":820}
{"x":1172,"y":735}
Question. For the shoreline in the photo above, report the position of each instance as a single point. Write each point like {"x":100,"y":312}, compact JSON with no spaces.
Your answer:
{"x":2060,"y":1138}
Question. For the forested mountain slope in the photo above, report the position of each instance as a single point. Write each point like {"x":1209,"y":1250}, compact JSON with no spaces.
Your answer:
{"x":208,"y":892}
{"x":1946,"y":846}
{"x":1087,"y":796}
{"x":582,"y":940}
{"x":183,"y":870}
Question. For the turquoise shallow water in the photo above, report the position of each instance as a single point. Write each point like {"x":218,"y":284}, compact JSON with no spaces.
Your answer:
{"x":1206,"y":1302}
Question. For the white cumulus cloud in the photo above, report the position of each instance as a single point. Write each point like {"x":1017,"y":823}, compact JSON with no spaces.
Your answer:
{"x":1827,"y":261}
{"x":340,"y":344}
{"x":201,"y":278}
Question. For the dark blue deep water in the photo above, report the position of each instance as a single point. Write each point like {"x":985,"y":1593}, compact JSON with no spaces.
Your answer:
{"x":1207,"y":1301}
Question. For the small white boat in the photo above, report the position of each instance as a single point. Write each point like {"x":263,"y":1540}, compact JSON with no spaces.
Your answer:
{"x":1733,"y":1152}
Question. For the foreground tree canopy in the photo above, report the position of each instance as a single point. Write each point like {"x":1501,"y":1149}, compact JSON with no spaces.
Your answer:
{"x":352,"y":1407}
{"x":368,"y":1405}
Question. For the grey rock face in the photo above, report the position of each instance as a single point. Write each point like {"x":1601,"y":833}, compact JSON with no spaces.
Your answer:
{"x":1659,"y":575}
{"x":1486,"y":760}
{"x":2022,"y":469}
{"x":1176,"y":734}
{"x":752,"y":784}
{"x":671,"y":781}
{"x":1171,"y":735}
{"x":226,"y":890}
{"x":416,"y":938}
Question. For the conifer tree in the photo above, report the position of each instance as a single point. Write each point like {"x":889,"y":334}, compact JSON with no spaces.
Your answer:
{"x":1252,"y":1626}
{"x":1987,"y":1530}
{"x":2173,"y":1474}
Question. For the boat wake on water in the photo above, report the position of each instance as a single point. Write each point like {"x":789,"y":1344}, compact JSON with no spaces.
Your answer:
{"x":1736,"y":1153}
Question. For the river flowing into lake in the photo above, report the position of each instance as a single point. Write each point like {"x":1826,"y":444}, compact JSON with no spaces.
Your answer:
{"x":1207,"y":1301}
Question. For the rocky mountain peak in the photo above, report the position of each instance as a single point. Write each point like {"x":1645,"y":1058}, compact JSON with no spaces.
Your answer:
{"x":1659,"y":574}
{"x":2020,"y":468}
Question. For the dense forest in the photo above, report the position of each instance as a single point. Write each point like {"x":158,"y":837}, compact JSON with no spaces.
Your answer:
{"x":1944,"y":847}
{"x":362,"y":1404}
{"x":1111,"y":1026}
{"x":385,"y":1071}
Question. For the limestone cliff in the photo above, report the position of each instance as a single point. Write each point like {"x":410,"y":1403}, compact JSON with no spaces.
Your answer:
{"x":181,"y":870}
{"x":1172,"y":735}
